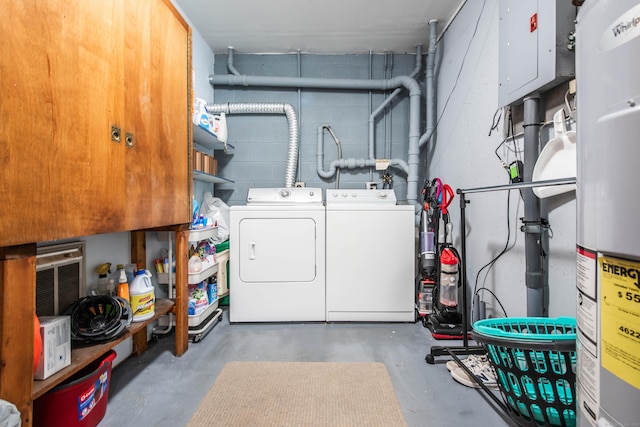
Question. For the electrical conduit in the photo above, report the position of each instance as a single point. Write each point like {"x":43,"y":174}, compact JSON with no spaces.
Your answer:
{"x":534,"y":272}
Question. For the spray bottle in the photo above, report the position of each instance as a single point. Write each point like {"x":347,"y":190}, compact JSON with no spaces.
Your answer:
{"x":123,"y":284}
{"x":103,"y":280}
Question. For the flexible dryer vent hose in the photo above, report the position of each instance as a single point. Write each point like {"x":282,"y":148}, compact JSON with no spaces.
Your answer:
{"x":269,"y":108}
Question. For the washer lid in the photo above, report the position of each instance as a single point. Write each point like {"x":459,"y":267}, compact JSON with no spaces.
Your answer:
{"x":284,"y":196}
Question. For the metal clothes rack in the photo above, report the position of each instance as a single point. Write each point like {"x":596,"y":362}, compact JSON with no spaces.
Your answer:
{"x":454,"y":351}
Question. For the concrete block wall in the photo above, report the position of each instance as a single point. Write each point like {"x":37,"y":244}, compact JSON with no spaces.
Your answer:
{"x":261,"y":141}
{"x":464,"y":156}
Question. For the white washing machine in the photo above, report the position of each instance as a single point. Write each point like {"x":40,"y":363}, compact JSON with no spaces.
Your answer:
{"x":277,"y":256}
{"x":370,"y":257}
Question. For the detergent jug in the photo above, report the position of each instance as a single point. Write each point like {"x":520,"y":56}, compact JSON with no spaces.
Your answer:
{"x":142,"y":296}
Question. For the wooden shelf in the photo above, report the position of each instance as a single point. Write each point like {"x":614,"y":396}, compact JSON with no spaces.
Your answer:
{"x":81,"y":357}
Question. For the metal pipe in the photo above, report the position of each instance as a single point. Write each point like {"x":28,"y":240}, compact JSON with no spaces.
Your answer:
{"x":269,"y":108}
{"x":299,"y":163}
{"x":230,"y":66}
{"x":349,"y":163}
{"x":316,"y":82}
{"x":532,"y":227}
{"x":371,"y":105}
{"x":354,"y":84}
{"x":388,"y":70}
{"x":321,"y":153}
{"x":387,"y":101}
{"x":430,"y":85}
{"x":518,"y":185}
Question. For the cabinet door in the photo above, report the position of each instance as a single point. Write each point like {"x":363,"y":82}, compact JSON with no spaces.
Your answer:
{"x":61,"y":75}
{"x":157,"y":82}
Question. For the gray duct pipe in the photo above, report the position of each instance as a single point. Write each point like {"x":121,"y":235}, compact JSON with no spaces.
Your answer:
{"x":269,"y":108}
{"x":230,"y":66}
{"x":322,"y":83}
{"x":430,"y":84}
{"x":316,"y":83}
{"x":320,"y":151}
{"x":387,"y":101}
{"x":348,"y":163}
{"x":532,"y":226}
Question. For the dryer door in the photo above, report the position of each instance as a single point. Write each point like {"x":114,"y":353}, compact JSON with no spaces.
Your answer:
{"x":277,"y":250}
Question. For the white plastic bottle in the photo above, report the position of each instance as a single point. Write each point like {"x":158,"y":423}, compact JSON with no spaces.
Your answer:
{"x":142,"y":296}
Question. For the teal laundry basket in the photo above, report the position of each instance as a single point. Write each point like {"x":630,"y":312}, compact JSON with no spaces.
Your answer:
{"x":535,"y":363}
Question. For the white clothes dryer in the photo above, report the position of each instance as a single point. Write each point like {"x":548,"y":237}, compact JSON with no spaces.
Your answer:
{"x":277,"y":256}
{"x":370,"y":257}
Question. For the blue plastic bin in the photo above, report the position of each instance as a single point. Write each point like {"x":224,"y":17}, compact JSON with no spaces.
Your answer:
{"x":535,"y":363}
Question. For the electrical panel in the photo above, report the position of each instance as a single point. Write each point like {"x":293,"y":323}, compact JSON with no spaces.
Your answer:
{"x":533,"y":52}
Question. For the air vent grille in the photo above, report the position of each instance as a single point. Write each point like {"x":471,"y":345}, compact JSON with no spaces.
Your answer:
{"x":59,"y":277}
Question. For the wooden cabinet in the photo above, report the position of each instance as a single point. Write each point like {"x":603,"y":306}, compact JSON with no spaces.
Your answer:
{"x":157,"y":82}
{"x":95,"y":138}
{"x":81,"y":81}
{"x":62,"y":81}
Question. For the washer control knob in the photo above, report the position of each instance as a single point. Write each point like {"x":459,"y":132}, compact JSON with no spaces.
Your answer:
{"x":311,"y":193}
{"x":382,"y":195}
{"x":284,"y":193}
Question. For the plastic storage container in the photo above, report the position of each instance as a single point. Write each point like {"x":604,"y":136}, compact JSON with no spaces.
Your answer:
{"x":222,"y":255}
{"x":82,"y":402}
{"x":448,"y":278}
{"x":535,"y":363}
{"x":142,"y":296}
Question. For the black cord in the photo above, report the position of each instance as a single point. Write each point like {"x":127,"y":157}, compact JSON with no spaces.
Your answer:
{"x":495,"y":297}
{"x":502,"y":162}
{"x":502,"y":252}
{"x":475,"y":30}
{"x":494,"y":123}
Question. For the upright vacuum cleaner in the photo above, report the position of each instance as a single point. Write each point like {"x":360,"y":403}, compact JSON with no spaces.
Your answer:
{"x":438,"y":280}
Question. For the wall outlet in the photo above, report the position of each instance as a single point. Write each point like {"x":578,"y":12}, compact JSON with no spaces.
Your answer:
{"x":300,"y":184}
{"x":371,"y":185}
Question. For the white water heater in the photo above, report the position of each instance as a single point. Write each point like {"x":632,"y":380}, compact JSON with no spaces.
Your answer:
{"x":608,"y":232}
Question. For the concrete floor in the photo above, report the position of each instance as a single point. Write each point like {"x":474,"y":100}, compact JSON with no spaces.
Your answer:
{"x":159,"y":389}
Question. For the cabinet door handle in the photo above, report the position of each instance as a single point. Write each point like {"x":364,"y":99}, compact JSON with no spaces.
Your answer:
{"x":252,"y":250}
{"x":128,"y":140}
{"x":115,"y":133}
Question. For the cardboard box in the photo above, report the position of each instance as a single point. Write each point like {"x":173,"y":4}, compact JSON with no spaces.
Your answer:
{"x":207,"y":163}
{"x":199,"y":164}
{"x":213,"y":166}
{"x":56,"y":345}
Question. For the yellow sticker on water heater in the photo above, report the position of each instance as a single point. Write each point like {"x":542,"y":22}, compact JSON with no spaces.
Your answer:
{"x":620,"y":317}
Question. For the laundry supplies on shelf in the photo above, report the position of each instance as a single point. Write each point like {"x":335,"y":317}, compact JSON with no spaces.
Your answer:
{"x":142,"y":296}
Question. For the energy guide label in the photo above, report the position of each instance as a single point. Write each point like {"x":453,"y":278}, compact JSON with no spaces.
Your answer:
{"x":587,"y":306}
{"x":620,"y":314}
